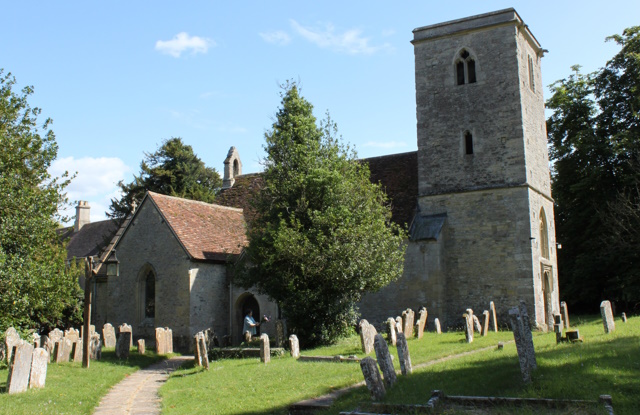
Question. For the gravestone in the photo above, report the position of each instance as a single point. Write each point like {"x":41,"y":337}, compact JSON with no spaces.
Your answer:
{"x":403,"y":355}
{"x":367,"y":333}
{"x":436,"y":323}
{"x":492,"y":310}
{"x":39,"y":363}
{"x":20,"y":368}
{"x":384,"y":360}
{"x":196,"y":350}
{"x":125,"y":328}
{"x":468,"y":326}
{"x":142,"y":349}
{"x":72,"y":334}
{"x":294,"y":346}
{"x":92,"y":329}
{"x":565,"y":314}
{"x":485,"y":323}
{"x":372,"y":378}
{"x":36,"y":340}
{"x":123,"y":344}
{"x":161,"y":341}
{"x":518,"y":328}
{"x":63,"y":350}
{"x":624,"y":317}
{"x":11,"y":340}
{"x":48,"y":345}
{"x":247,"y":337}
{"x":265,"y":349}
{"x":391,"y":331}
{"x":95,"y":347}
{"x":109,"y":335}
{"x":557,"y":327}
{"x":168,"y":333}
{"x":422,"y":321}
{"x":607,"y":317}
{"x":399,"y":325}
{"x":526,"y":324}
{"x":204,"y":356}
{"x":280,"y":333}
{"x":55,"y":335}
{"x":476,"y":324}
{"x":77,"y":351}
{"x":407,"y":322}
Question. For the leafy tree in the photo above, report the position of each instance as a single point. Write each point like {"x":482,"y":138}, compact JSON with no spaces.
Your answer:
{"x":594,"y":137}
{"x":38,"y":289}
{"x":322,"y":235}
{"x":174,"y":170}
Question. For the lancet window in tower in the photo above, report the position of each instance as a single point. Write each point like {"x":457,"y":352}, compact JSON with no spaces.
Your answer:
{"x":468,"y":143}
{"x":544,"y":235}
{"x":465,"y":68}
{"x":532,"y":83}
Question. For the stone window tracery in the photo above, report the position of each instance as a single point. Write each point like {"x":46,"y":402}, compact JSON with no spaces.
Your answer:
{"x":465,"y":68}
{"x":544,"y":235}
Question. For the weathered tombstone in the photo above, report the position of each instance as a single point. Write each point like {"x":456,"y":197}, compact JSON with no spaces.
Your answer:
{"x":391,"y":331}
{"x":161,"y":341}
{"x":476,"y":324}
{"x":95,"y":347}
{"x":624,"y":317}
{"x":565,"y":314}
{"x":372,"y":378}
{"x":407,"y":322}
{"x":265,"y":349}
{"x":247,"y":337}
{"x":142,"y":349}
{"x":518,"y":329}
{"x":92,"y":329}
{"x":55,"y":335}
{"x":399,"y":325}
{"x":204,"y":356}
{"x":125,"y":328}
{"x":48,"y":345}
{"x":422,"y":321}
{"x":123,"y":345}
{"x":36,"y":340}
{"x":76,"y":350}
{"x":403,"y":355}
{"x":72,"y":334}
{"x":63,"y":350}
{"x":280,"y":333}
{"x":526,"y":324}
{"x":196,"y":350}
{"x":38,"y":373}
{"x":367,"y":333}
{"x":468,"y":326}
{"x":492,"y":310}
{"x":168,"y":339}
{"x":11,"y":340}
{"x":485,"y":323}
{"x":294,"y":346}
{"x":436,"y":323}
{"x":607,"y":317}
{"x":109,"y":335}
{"x":557,"y":327}
{"x":20,"y":368}
{"x":384,"y":360}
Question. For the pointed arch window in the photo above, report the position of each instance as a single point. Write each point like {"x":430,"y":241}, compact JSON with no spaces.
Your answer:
{"x":468,"y":142}
{"x":532,"y":83}
{"x":150,"y":295}
{"x":465,"y":68}
{"x":544,"y":235}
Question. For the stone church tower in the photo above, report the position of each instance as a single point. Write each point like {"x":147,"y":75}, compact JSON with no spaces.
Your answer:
{"x":483,"y":165}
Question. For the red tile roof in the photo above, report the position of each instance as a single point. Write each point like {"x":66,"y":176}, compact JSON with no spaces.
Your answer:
{"x":208,"y":232}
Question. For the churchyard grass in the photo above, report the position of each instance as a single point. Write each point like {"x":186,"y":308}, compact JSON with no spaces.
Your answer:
{"x":71,"y":389}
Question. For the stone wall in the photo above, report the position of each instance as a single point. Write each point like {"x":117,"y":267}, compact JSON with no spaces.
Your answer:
{"x":209,"y":302}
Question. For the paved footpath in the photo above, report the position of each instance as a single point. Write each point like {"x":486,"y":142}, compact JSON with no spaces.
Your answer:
{"x":138,"y":393}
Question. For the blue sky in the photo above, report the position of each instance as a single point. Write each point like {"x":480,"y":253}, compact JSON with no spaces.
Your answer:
{"x":119,"y":77}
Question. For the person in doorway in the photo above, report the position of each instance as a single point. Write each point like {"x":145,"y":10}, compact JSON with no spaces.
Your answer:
{"x":249,"y":323}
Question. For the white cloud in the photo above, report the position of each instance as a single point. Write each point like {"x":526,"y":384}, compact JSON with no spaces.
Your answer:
{"x":95,"y":182}
{"x":182,"y":42}
{"x":385,"y":144}
{"x":388,"y":32}
{"x":277,"y":37}
{"x":351,"y":41}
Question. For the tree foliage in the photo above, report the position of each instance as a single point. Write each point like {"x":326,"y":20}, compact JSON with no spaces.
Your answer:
{"x":38,"y":290}
{"x":594,"y":137}
{"x":174,"y":170}
{"x":322,"y":235}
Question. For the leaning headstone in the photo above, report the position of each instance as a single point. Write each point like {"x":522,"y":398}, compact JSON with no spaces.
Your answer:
{"x":38,"y":373}
{"x":141,"y":346}
{"x":391,"y":331}
{"x":204,"y":356}
{"x":607,"y":317}
{"x":518,"y":334}
{"x":624,"y":317}
{"x":476,"y":324}
{"x":63,"y":350}
{"x":280,"y":333}
{"x":72,"y":334}
{"x":526,"y":324}
{"x":422,"y":321}
{"x":55,"y":335}
{"x":565,"y":314}
{"x":76,"y":351}
{"x":123,"y":345}
{"x":372,"y":378}
{"x":468,"y":326}
{"x":95,"y":347}
{"x":125,"y":328}
{"x":367,"y":333}
{"x":492,"y":310}
{"x":294,"y":346}
{"x":557,"y":327}
{"x":485,"y":323}
{"x":196,"y":349}
{"x":20,"y":369}
{"x":11,"y":340}
{"x":436,"y":323}
{"x":109,"y":335}
{"x":407,"y":322}
{"x":403,"y":355}
{"x":399,"y":325}
{"x":168,"y":339}
{"x":36,"y":340}
{"x":265,"y":349}
{"x":161,"y":341}
{"x":384,"y":360}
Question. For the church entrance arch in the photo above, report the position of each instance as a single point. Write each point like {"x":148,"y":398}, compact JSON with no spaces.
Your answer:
{"x":547,"y":295}
{"x":246,"y":302}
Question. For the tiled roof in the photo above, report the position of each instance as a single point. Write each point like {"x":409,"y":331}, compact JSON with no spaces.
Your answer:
{"x":90,"y":239}
{"x":207,"y":231}
{"x":241,"y":194}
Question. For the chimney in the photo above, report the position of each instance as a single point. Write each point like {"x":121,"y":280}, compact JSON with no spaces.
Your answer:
{"x":82,"y":215}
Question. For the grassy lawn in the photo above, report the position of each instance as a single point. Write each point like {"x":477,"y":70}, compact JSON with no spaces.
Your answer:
{"x":70,"y":389}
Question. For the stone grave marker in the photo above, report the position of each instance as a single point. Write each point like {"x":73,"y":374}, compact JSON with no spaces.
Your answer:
{"x":468,"y":326}
{"x":125,"y":328}
{"x":526,"y":324}
{"x":109,"y":335}
{"x":391,"y":331}
{"x":557,"y":327}
{"x":399,"y":325}
{"x":20,"y":368}
{"x":372,"y":378}
{"x":39,"y":363}
{"x":142,"y":349}
{"x":95,"y":347}
{"x":407,"y":322}
{"x":72,"y":334}
{"x":161,"y":341}
{"x":367,"y":333}
{"x":403,"y":355}
{"x":565,"y":314}
{"x":624,"y":317}
{"x":63,"y":350}
{"x":436,"y":323}
{"x":168,"y":339}
{"x":492,"y":310}
{"x":294,"y":346}
{"x":92,"y":329}
{"x":11,"y":340}
{"x":196,"y":350}
{"x":36,"y":340}
{"x":204,"y":356}
{"x":485,"y":322}
{"x":247,"y":337}
{"x":123,"y":345}
{"x":280,"y":333}
{"x":265,"y":349}
{"x":476,"y":324}
{"x":384,"y":360}
{"x":607,"y":317}
{"x":422,"y":321}
{"x":518,"y":328}
{"x":77,"y":351}
{"x":55,"y":335}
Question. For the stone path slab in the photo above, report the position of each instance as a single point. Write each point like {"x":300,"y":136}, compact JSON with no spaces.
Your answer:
{"x":138,"y":393}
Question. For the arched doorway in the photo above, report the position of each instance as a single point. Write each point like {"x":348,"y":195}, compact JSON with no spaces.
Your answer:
{"x":547,"y":298}
{"x":245,"y":303}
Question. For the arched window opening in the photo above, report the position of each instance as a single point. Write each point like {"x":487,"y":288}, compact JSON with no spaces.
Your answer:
{"x":465,"y":68}
{"x":150,"y":295}
{"x":471,"y":67}
{"x":544,"y":236}
{"x":468,"y":143}
{"x":236,"y":168}
{"x":460,"y":71}
{"x":532,"y":84}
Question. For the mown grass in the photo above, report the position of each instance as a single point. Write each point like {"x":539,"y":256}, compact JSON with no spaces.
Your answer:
{"x":71,"y":389}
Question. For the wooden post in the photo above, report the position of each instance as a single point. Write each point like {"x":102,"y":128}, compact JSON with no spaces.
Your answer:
{"x":86,"y":336}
